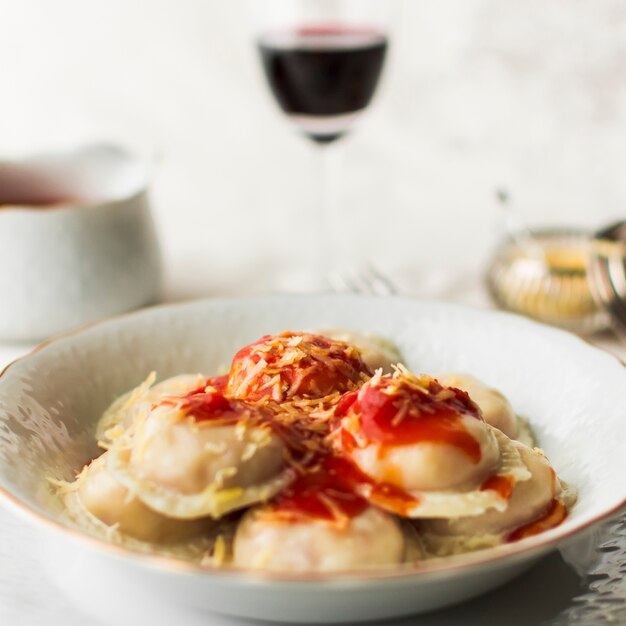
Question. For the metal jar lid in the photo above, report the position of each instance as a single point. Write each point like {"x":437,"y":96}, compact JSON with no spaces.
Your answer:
{"x":607,"y":272}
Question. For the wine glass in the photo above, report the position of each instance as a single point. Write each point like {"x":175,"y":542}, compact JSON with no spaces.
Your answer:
{"x":322,"y":60}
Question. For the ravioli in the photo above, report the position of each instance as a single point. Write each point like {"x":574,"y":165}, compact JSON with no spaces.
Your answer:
{"x":410,"y":433}
{"x":201,"y":455}
{"x":474,"y":501}
{"x":495,"y":408}
{"x":294,"y":365}
{"x":96,"y":493}
{"x":529,"y":501}
{"x":370,"y":539}
{"x":124,"y":411}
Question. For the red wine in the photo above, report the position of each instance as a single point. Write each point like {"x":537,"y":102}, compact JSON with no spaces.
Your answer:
{"x":322,"y":75}
{"x":21,"y":187}
{"x":38,"y":202}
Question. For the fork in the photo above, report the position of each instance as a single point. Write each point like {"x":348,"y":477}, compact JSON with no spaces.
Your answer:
{"x":364,"y":279}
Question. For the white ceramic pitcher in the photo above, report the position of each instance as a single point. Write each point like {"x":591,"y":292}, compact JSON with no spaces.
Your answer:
{"x":77,"y":241}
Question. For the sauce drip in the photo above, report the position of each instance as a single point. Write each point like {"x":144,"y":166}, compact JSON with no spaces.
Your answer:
{"x":338,"y":490}
{"x":554,"y":515}
{"x":392,"y":498}
{"x":502,"y":485}
{"x":397,"y":412}
{"x":218,"y":383}
{"x":204,"y":407}
{"x":326,"y":493}
{"x":208,"y":403}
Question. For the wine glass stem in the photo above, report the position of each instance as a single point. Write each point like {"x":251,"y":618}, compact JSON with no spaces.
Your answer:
{"x":328,"y":211}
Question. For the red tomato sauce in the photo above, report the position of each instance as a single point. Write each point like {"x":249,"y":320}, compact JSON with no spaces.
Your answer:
{"x":207,"y":405}
{"x":553,"y":516}
{"x":502,"y":485}
{"x":323,"y":494}
{"x":295,"y":365}
{"x":339,"y":489}
{"x":411,"y":416}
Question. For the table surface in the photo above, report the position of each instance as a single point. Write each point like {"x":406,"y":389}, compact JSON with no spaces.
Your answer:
{"x":477,"y":95}
{"x":28,"y":597}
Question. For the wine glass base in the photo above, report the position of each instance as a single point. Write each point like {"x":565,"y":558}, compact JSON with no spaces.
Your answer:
{"x":324,"y":128}
{"x":324,"y":139}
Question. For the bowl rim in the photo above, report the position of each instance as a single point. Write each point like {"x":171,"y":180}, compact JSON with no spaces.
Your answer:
{"x":530,"y":547}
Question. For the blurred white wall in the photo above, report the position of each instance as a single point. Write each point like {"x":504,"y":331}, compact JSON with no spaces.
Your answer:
{"x":478,"y":93}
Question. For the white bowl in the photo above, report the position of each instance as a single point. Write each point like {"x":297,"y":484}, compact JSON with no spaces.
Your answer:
{"x":51,"y":399}
{"x":77,"y":241}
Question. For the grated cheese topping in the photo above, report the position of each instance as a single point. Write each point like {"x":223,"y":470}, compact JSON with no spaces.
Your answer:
{"x":302,"y":387}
